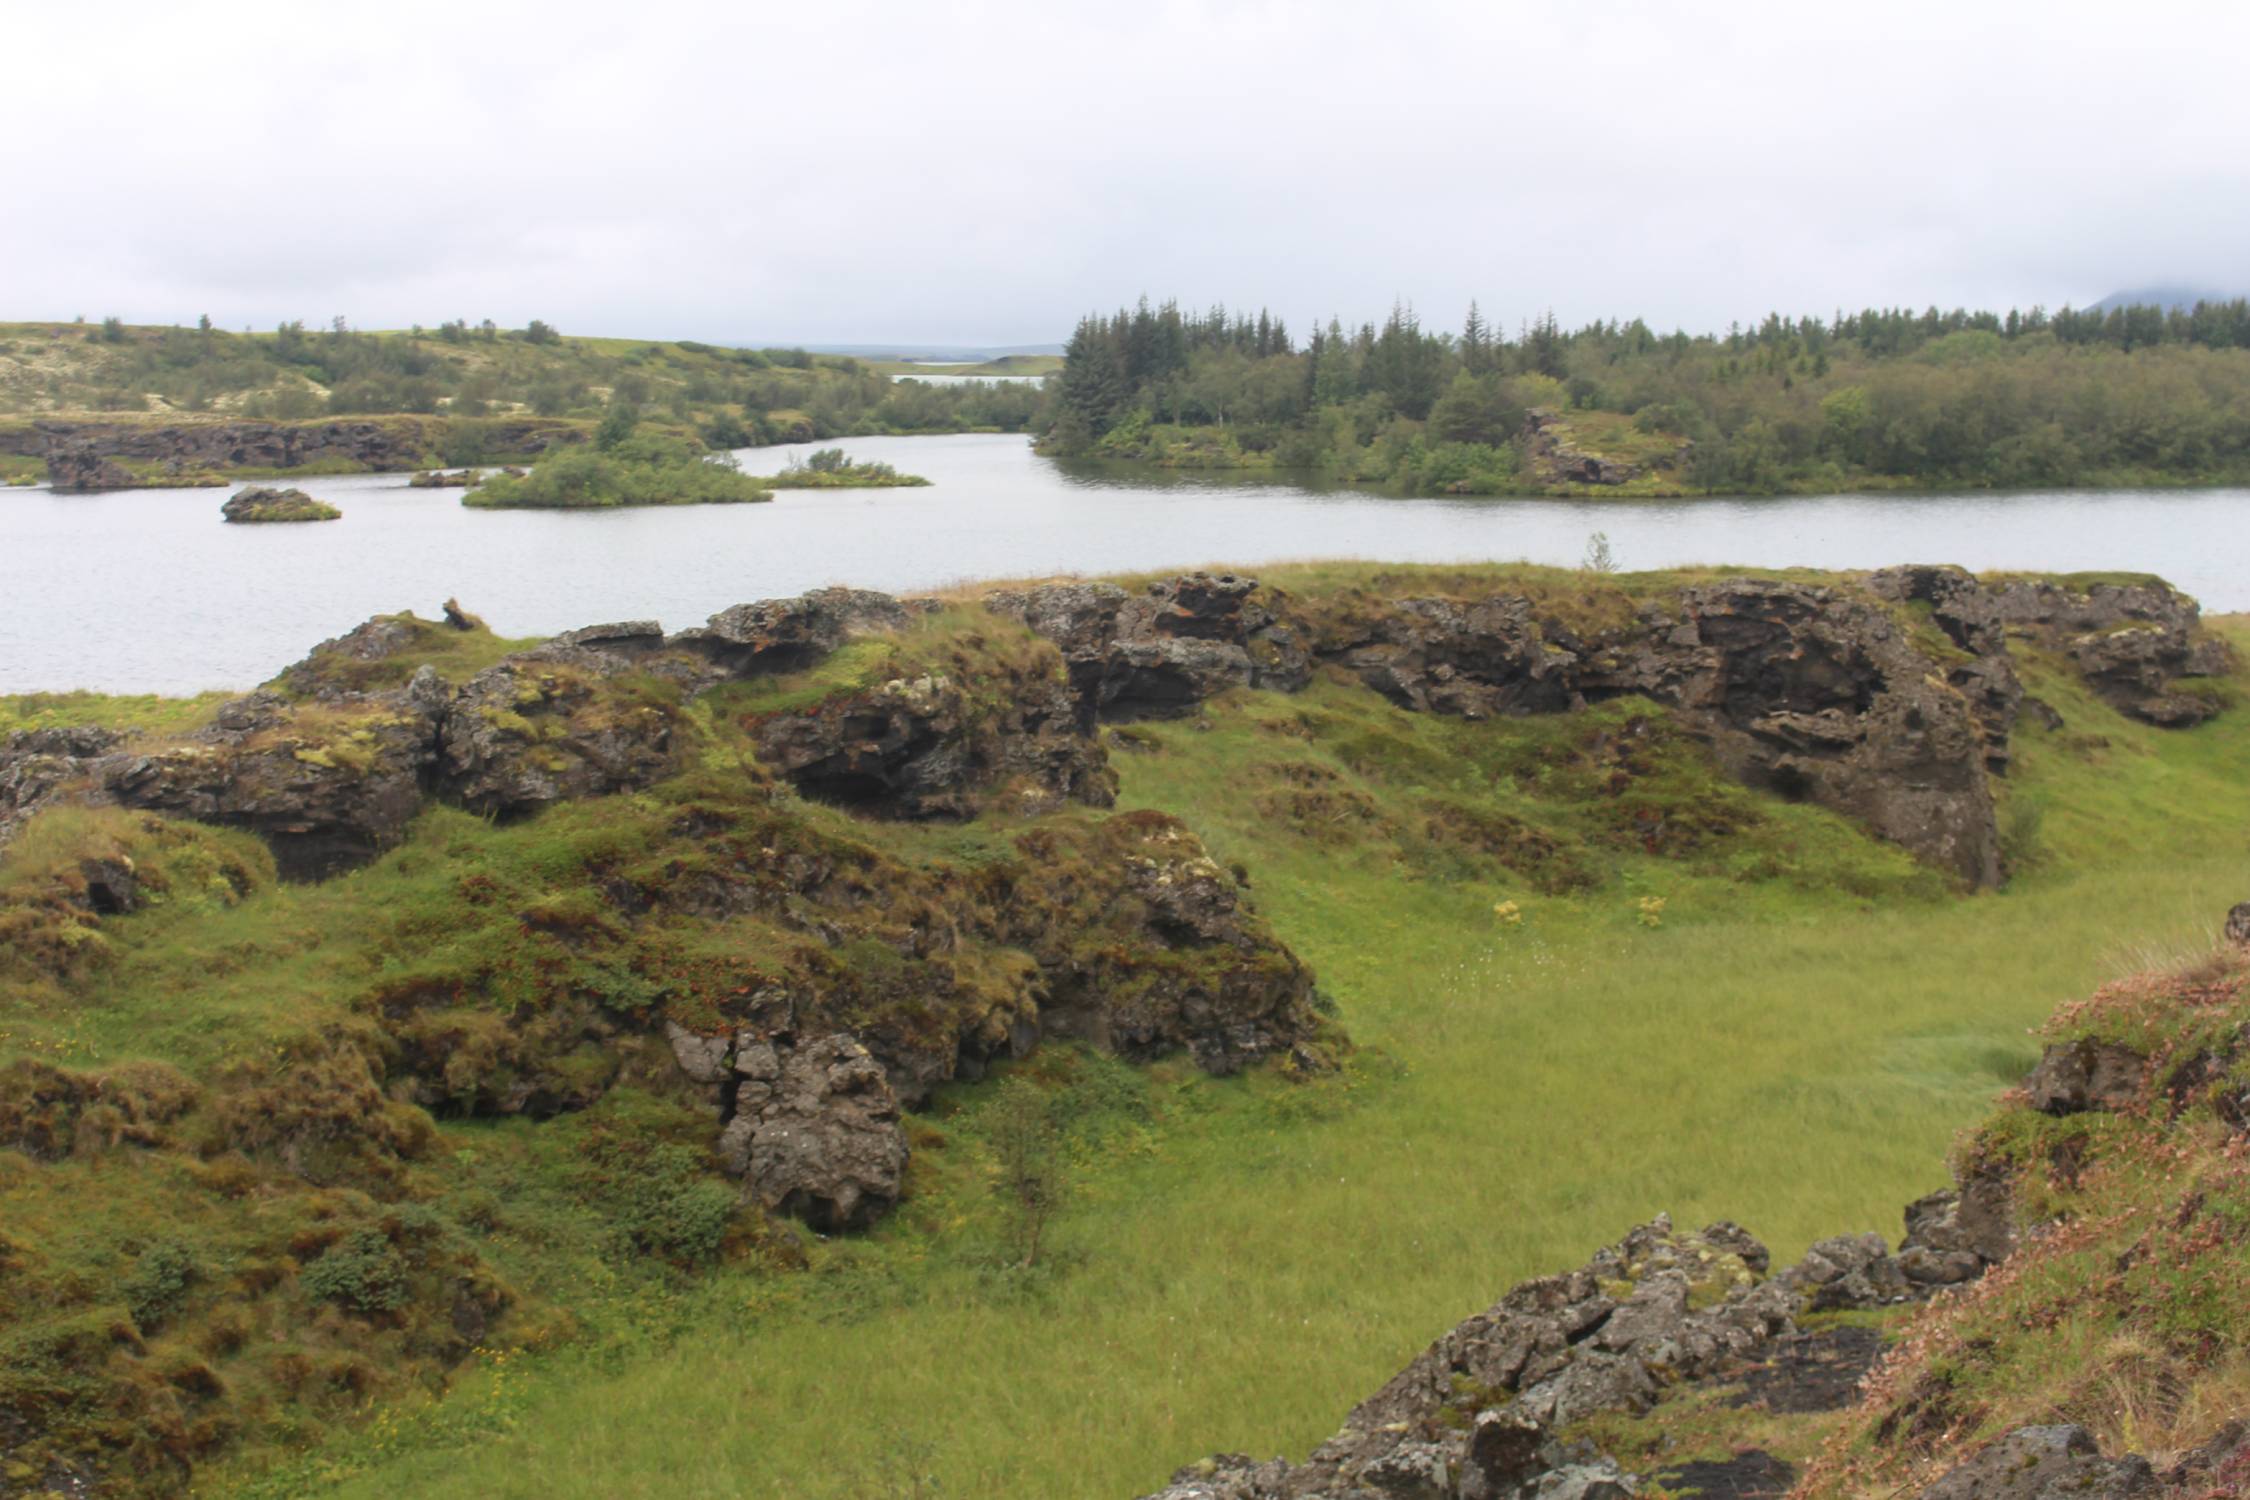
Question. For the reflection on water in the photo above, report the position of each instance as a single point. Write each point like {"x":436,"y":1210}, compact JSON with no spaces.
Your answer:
{"x":146,"y":590}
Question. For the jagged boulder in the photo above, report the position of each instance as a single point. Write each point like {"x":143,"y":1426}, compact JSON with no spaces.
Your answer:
{"x":2084,"y":1074}
{"x":2044,"y":1463}
{"x":1957,"y":1234}
{"x":815,"y":1133}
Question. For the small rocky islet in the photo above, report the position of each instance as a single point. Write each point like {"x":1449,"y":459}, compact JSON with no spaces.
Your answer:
{"x":261,"y":505}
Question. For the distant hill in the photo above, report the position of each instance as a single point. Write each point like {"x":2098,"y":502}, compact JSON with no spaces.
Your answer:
{"x":931,"y":353}
{"x":2181,"y":297}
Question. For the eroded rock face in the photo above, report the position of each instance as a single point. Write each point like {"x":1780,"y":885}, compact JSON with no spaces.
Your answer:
{"x":325,"y":794}
{"x":1814,"y":696}
{"x":391,"y":445}
{"x":78,"y":467}
{"x":1164,"y":650}
{"x":2133,"y":642}
{"x":556,"y":724}
{"x":927,"y":747}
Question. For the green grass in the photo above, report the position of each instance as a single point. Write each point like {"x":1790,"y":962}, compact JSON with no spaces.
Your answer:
{"x":1792,"y":1043}
{"x":139,"y":712}
{"x":1794,"y":1046}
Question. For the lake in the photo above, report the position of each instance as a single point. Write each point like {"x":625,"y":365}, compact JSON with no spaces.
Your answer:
{"x":148,"y":591}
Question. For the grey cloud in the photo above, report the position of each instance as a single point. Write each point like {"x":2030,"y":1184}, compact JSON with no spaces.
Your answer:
{"x":984,"y":171}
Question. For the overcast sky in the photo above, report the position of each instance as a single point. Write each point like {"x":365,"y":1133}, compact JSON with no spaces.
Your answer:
{"x":831,"y":170}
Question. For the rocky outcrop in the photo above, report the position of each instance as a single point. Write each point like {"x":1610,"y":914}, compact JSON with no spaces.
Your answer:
{"x":787,"y":635}
{"x":81,"y":468}
{"x":559,"y":723}
{"x":2134,"y":642}
{"x":1820,"y":694}
{"x":1802,"y":691}
{"x":1166,"y":649}
{"x":1476,"y":1415}
{"x":2084,"y":1074}
{"x":1557,"y":461}
{"x":258,"y":504}
{"x":376,"y":443}
{"x":932,"y":746}
{"x":325,"y":792}
{"x":2045,"y":1463}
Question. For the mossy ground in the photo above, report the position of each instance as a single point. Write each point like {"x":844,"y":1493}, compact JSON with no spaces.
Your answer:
{"x":1792,"y":1043}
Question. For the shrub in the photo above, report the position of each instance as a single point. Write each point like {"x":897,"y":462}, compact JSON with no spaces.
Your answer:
{"x":362,"y":1271}
{"x":668,"y":1207}
{"x":158,"y":1283}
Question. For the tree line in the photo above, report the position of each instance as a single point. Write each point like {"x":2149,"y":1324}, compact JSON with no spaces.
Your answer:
{"x":1876,"y":397}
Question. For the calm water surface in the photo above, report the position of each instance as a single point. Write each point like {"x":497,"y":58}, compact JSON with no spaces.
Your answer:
{"x":147,"y":591}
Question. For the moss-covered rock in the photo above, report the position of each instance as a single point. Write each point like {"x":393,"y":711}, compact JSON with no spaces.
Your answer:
{"x":260,"y":504}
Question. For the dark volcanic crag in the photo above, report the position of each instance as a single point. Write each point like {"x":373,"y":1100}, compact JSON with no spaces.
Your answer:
{"x":76,"y":451}
{"x":869,"y":980}
{"x":1810,"y":692}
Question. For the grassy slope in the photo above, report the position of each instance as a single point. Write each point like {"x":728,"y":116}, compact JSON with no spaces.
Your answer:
{"x":1249,"y":1257}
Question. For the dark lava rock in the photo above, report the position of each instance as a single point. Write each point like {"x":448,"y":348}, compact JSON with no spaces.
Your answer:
{"x":2044,"y":1463}
{"x":385,"y":445}
{"x":1808,"y":1372}
{"x":1167,"y":649}
{"x":79,"y":468}
{"x":2078,"y":1076}
{"x":325,"y":793}
{"x":1755,"y":1475}
{"x":260,"y":504}
{"x":788,"y":635}
{"x":2218,"y":1466}
{"x":933,"y":747}
{"x":560,"y":722}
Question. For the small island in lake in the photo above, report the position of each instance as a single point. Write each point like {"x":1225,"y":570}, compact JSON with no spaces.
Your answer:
{"x":830,"y":469}
{"x":622,"y":467}
{"x":260,"y":503}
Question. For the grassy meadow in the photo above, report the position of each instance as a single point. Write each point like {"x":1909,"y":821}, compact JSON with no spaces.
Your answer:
{"x":1770,"y":1018}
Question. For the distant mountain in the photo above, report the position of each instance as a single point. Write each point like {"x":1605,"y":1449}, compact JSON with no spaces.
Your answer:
{"x":2182,"y":297}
